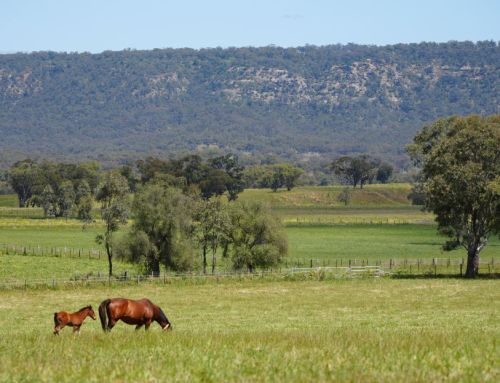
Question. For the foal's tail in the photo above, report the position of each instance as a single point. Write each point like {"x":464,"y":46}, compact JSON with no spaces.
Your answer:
{"x":102,"y":312}
{"x":56,"y":322}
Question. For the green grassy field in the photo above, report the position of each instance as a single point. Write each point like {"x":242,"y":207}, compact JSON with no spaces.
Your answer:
{"x":257,"y":331}
{"x":21,"y":267}
{"x":388,"y":195}
{"x":49,"y":233}
{"x":8,"y":200}
{"x":373,"y":242}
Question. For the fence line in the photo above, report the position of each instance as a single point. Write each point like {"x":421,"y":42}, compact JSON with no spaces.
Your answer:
{"x":314,"y":272}
{"x":54,"y":251}
{"x":65,"y":251}
{"x":169,"y":277}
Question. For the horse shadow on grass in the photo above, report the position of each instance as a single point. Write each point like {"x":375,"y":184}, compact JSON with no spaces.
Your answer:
{"x":486,"y":276}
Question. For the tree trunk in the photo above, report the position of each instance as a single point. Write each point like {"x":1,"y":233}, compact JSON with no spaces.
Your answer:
{"x":110,"y":257}
{"x":213,"y":262}
{"x":204,"y":259}
{"x":23,"y":201}
{"x":472,"y":261}
{"x":156,"y":268}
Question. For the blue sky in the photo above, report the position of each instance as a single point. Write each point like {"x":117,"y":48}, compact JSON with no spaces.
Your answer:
{"x":97,"y":25}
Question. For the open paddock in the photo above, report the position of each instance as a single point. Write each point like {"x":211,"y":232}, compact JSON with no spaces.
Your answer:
{"x":257,"y":330}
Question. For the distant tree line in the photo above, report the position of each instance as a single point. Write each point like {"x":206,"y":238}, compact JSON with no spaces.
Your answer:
{"x":60,"y":189}
{"x":175,"y":206}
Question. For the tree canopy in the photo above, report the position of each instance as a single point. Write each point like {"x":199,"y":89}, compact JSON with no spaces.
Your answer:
{"x":356,"y":170}
{"x":460,"y":159}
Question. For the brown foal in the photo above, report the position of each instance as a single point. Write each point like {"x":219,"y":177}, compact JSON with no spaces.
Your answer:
{"x":75,"y":320}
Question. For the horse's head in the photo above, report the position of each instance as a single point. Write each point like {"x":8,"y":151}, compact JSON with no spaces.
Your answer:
{"x":167,"y":327}
{"x":90,"y":312}
{"x":163,"y":320}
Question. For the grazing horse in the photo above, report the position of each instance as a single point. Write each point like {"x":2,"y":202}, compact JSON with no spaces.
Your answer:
{"x":138,"y":313}
{"x":75,"y":320}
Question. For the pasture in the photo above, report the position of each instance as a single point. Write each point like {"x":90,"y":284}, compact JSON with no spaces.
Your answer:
{"x":279,"y":327}
{"x":258,"y":330}
{"x":324,"y":245}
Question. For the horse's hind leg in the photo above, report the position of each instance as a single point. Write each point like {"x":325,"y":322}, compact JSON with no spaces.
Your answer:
{"x":111,"y":324}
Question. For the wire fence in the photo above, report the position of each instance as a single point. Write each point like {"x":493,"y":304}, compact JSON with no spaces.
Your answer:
{"x":290,"y":267}
{"x":53,"y":251}
{"x":166,"y":278}
{"x":437,"y":267}
{"x":386,"y":263}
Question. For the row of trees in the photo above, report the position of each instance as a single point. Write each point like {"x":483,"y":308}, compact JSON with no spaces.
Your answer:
{"x":63,"y":189}
{"x":171,"y":226}
{"x":272,"y":176}
{"x":175,"y":206}
{"x":60,"y":189}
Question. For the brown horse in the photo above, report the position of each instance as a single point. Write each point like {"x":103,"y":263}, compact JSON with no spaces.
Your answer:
{"x":75,"y":320}
{"x":138,"y":313}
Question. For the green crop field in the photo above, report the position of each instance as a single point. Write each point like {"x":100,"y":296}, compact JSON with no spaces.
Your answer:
{"x":258,"y":331}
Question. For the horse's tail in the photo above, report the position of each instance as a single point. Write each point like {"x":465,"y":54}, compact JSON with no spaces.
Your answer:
{"x":102,"y":312}
{"x":56,"y":322}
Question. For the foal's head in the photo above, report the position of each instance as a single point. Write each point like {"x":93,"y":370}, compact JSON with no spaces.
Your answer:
{"x":90,"y":311}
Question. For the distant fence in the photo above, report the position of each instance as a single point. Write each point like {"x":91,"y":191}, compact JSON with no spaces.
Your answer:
{"x":449,"y":264}
{"x":335,"y":220}
{"x":26,"y":212}
{"x":434,"y":268}
{"x":412,"y":264}
{"x":53,"y":251}
{"x":164,"y":278}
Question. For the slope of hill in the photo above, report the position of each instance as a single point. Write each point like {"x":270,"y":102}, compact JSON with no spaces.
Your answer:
{"x":300,"y":103}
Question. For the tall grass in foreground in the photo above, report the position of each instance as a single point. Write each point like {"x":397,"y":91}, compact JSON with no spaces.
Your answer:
{"x":360,"y":330}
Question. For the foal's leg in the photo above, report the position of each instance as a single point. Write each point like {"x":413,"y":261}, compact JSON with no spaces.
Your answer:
{"x":76,"y":329}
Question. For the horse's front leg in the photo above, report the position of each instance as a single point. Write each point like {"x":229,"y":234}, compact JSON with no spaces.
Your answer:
{"x":76,"y":329}
{"x":146,"y":325}
{"x":138,"y":327}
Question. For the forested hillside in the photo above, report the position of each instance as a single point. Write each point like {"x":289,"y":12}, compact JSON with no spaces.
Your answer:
{"x":297,"y":103}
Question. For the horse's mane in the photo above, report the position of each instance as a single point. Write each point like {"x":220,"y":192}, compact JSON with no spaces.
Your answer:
{"x":84,"y":308}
